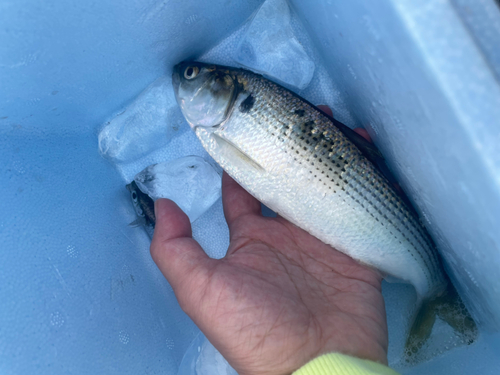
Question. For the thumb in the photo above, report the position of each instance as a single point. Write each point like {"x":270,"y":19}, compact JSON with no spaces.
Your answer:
{"x":178,"y":256}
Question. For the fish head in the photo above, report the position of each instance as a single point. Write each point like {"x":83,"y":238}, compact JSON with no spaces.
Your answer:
{"x":143,"y":205}
{"x":205,"y":92}
{"x":134,"y":195}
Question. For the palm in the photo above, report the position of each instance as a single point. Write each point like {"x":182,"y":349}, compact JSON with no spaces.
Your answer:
{"x":279,"y":298}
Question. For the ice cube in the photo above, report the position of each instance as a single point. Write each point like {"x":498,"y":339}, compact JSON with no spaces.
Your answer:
{"x":202,"y":358}
{"x":270,"y":47}
{"x":148,"y":123}
{"x":191,"y":182}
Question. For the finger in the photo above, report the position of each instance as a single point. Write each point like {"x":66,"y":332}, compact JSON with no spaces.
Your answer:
{"x":362,"y":132}
{"x":326,"y":109}
{"x":178,"y":256}
{"x":237,"y":201}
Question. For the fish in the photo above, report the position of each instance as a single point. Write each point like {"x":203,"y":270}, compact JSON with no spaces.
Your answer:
{"x":318,"y":174}
{"x":144,"y":208}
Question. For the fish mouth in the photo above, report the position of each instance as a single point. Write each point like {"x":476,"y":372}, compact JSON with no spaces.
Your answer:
{"x":176,"y":77}
{"x":176,"y":82}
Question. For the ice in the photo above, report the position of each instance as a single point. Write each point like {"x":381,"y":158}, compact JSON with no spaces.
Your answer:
{"x":148,"y":123}
{"x":270,"y":47}
{"x":190,"y":182}
{"x":202,"y":358}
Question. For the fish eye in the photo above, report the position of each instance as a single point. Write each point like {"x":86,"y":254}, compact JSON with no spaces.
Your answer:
{"x":191,"y":72}
{"x":134,"y":196}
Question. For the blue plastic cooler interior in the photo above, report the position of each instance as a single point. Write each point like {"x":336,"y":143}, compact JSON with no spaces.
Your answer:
{"x":79,"y":292}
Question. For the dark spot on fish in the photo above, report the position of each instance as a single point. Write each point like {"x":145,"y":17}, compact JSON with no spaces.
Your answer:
{"x":309,"y":123}
{"x":300,"y":112}
{"x":247,"y":104}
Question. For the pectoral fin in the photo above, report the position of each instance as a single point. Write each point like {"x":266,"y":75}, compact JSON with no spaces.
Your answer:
{"x":231,"y":152}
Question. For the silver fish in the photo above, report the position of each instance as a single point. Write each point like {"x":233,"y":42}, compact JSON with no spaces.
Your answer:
{"x":144,"y":208}
{"x":309,"y":168}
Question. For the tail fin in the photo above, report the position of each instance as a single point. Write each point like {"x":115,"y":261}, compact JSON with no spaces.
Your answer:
{"x":449,"y":308}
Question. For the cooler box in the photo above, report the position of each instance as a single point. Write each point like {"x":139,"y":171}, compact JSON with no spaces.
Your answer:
{"x":78,"y":289}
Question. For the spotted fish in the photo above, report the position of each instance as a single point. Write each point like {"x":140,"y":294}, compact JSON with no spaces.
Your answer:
{"x":312,"y":170}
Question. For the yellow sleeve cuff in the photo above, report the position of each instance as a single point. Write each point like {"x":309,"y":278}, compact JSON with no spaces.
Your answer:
{"x":341,"y":364}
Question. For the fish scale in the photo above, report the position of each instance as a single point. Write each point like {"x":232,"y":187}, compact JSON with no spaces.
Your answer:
{"x":344,"y":175}
{"x":297,"y":161}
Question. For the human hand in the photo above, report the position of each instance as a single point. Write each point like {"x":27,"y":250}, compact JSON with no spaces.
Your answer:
{"x":279,"y":298}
